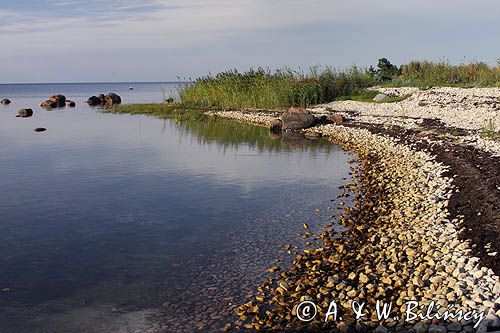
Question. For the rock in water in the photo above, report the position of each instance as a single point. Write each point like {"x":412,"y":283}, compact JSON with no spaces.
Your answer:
{"x":48,"y":104}
{"x":112,"y":99}
{"x":296,"y":118}
{"x":275,"y":125}
{"x":5,"y":101}
{"x":70,"y":103}
{"x":59,"y":99}
{"x":24,"y":113}
{"x":380,"y":97}
{"x":40,"y":129}
{"x":94,"y":101}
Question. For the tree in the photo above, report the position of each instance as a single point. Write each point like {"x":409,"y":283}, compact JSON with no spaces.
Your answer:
{"x":386,"y":71}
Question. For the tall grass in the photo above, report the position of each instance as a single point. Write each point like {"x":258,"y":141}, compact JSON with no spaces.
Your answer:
{"x":260,"y":88}
{"x":426,"y":73}
{"x":264,"y":88}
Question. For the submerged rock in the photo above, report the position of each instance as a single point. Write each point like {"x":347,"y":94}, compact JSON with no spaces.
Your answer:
{"x":40,"y":129}
{"x":24,"y":113}
{"x":5,"y":101}
{"x":296,"y":118}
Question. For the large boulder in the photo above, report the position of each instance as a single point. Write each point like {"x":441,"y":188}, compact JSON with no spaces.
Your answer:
{"x":59,"y":99}
{"x":24,"y":113}
{"x":94,"y":101}
{"x":275,"y":125}
{"x":112,"y":99}
{"x":5,"y":101}
{"x":48,"y":104}
{"x":296,"y":118}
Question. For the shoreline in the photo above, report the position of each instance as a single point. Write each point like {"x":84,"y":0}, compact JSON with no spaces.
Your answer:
{"x":423,"y":200}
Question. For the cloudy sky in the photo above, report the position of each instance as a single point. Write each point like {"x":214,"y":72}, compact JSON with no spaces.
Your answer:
{"x":158,"y":40}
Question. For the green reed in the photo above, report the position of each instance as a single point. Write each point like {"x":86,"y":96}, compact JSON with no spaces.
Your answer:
{"x":278,"y":89}
{"x":427,"y":74}
{"x":260,"y":88}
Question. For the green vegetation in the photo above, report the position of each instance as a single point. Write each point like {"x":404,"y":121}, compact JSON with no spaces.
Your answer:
{"x":426,"y":74}
{"x":273,"y":89}
{"x":489,"y":131}
{"x":260,"y":88}
{"x":173,"y":111}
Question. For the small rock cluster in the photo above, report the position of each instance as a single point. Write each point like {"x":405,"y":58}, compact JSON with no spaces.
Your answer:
{"x":104,"y":100}
{"x":457,"y":107}
{"x":471,"y":110}
{"x":57,"y":101}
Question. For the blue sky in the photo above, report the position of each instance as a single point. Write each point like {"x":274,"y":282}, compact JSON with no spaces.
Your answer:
{"x":158,"y":40}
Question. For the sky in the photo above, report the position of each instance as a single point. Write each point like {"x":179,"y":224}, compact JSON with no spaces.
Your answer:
{"x":161,"y":40}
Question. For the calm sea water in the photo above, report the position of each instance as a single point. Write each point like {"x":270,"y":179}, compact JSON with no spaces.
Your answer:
{"x":118,"y":223}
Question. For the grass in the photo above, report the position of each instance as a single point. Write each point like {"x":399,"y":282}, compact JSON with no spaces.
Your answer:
{"x":273,"y":89}
{"x":428,"y":74}
{"x":489,"y":131}
{"x":171,"y":111}
{"x":282,"y":88}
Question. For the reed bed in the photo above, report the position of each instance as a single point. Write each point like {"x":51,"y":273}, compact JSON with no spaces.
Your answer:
{"x":260,"y":88}
{"x":428,"y":74}
{"x":278,"y":89}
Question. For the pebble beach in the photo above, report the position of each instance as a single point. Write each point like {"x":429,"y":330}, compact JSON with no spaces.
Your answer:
{"x":410,"y":234}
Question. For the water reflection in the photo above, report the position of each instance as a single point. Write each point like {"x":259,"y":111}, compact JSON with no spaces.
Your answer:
{"x":114,"y":222}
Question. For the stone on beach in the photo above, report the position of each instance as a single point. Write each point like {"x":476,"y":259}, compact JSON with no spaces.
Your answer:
{"x":380,"y":97}
{"x":296,"y":118}
{"x":275,"y":125}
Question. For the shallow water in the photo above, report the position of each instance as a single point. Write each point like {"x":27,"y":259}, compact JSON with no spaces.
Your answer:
{"x":122,"y":223}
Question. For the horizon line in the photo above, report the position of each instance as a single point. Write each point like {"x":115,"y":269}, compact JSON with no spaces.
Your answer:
{"x":102,"y":82}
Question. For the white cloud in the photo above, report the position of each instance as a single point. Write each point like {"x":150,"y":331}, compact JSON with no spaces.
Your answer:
{"x":128,"y":26}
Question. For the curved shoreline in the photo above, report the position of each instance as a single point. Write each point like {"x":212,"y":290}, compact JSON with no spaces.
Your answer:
{"x":419,"y":257}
